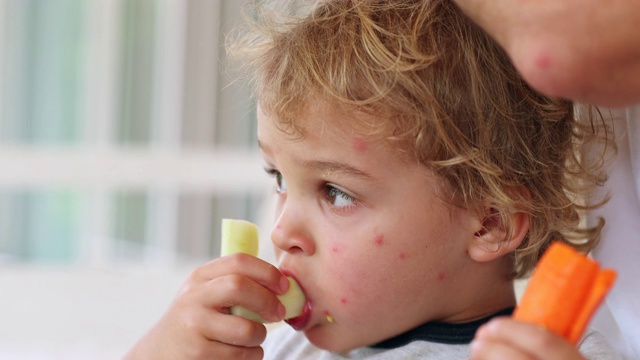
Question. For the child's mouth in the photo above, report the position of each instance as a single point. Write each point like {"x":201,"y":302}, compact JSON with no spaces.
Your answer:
{"x":301,"y":321}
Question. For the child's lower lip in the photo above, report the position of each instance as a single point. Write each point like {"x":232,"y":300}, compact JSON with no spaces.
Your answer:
{"x":301,"y":321}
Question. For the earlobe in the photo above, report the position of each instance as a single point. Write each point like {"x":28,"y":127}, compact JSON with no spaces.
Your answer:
{"x":492,"y":240}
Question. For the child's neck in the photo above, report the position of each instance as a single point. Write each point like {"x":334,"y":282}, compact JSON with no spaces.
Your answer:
{"x":490,"y":289}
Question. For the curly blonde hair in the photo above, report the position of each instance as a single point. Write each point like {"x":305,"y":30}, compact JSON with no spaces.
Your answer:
{"x":447,"y":95}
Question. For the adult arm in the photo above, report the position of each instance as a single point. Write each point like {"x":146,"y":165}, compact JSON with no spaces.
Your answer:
{"x":584,"y":50}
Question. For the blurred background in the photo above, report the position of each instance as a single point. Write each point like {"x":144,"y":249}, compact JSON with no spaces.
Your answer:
{"x":124,"y":140}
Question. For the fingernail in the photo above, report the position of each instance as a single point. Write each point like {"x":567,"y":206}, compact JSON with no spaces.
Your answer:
{"x":284,"y":284}
{"x":481,"y":331}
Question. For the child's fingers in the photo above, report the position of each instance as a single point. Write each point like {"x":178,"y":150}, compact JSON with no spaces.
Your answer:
{"x":230,"y":290}
{"x":198,"y":333}
{"x":234,"y":330}
{"x":244,"y":353}
{"x":259,"y":270}
{"x":528,"y":338}
{"x":217,"y":350}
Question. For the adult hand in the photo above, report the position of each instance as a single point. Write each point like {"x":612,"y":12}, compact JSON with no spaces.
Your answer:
{"x":508,"y":339}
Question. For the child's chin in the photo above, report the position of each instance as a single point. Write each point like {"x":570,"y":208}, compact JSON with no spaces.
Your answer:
{"x":324,"y":337}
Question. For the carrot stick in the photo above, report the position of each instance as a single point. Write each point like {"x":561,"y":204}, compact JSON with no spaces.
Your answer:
{"x":601,"y":286}
{"x":565,"y":290}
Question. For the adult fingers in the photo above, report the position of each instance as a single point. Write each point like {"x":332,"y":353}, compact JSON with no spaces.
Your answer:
{"x":491,"y":349}
{"x":528,"y":338}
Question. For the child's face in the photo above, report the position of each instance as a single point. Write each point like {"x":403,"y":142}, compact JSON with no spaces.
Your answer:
{"x":364,"y":233}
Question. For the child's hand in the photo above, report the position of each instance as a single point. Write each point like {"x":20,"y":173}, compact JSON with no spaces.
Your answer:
{"x":505,"y":338}
{"x":198,"y":324}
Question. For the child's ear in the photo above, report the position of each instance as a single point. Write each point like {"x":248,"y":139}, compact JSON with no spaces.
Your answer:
{"x":492,"y":241}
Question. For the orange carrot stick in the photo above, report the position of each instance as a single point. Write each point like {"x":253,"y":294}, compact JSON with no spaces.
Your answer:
{"x":565,"y":290}
{"x":601,"y":286}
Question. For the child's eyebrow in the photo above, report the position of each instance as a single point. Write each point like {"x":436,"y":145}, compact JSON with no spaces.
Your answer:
{"x":328,"y":166}
{"x":336,"y":167}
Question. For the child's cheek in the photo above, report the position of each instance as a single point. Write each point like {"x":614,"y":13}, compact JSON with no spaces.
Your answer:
{"x":355,"y":282}
{"x":336,"y":249}
{"x":379,"y":242}
{"x":348,"y":279}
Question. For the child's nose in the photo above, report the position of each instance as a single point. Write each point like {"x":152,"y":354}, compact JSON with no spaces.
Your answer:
{"x":291,"y":232}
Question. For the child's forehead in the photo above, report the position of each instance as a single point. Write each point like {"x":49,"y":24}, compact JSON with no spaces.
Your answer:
{"x":323,"y":116}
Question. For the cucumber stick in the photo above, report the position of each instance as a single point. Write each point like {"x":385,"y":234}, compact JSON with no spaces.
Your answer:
{"x":241,"y":236}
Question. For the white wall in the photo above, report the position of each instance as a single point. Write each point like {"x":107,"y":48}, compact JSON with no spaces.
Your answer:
{"x":79,"y":313}
{"x":123,"y":142}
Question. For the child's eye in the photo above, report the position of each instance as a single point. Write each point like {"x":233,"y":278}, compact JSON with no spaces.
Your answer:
{"x":281,"y":185}
{"x":339,"y":198}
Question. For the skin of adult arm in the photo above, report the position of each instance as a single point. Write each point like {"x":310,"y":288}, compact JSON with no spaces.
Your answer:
{"x":583,"y":50}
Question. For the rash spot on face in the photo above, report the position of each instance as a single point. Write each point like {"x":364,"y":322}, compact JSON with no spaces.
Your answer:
{"x":343,"y":300}
{"x":403,"y":255}
{"x":335,"y":249}
{"x":543,"y":62}
{"x":359,"y":145}
{"x":441,"y":276}
{"x":379,"y":240}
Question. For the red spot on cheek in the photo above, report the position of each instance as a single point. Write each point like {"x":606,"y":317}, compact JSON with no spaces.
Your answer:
{"x":343,"y":300}
{"x":360,"y":145}
{"x":543,"y":62}
{"x":335,"y":249}
{"x":379,"y":240}
{"x":441,"y":276}
{"x":403,"y":255}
